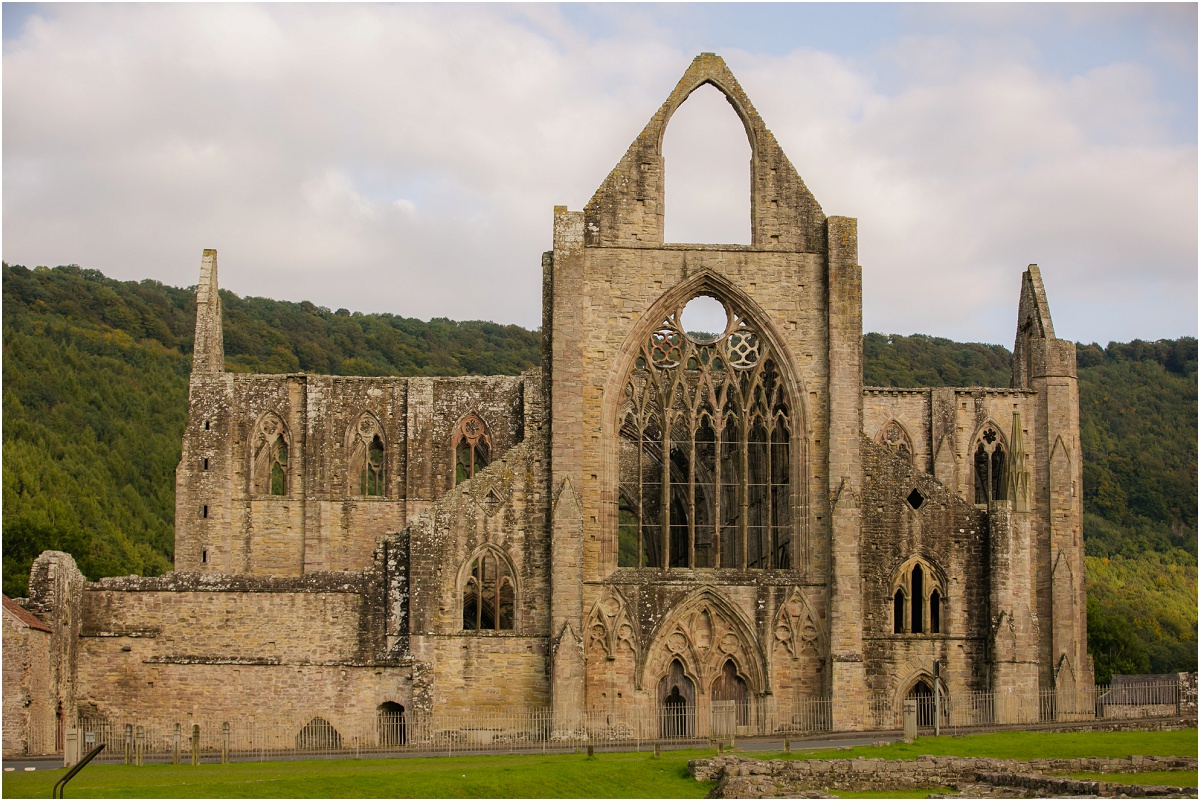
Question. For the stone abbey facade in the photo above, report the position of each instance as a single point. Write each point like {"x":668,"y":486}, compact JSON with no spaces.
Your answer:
{"x":654,"y":519}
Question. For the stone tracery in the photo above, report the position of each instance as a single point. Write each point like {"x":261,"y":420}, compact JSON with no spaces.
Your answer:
{"x":706,"y":451}
{"x":365,"y":474}
{"x":270,"y":458}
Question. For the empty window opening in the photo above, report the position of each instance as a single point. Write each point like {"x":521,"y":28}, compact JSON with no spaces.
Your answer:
{"x":915,"y":499}
{"x":205,"y":462}
{"x":271,"y":457}
{"x":706,"y":161}
{"x":204,"y":511}
{"x":318,"y":735}
{"x":627,"y":534}
{"x":489,"y":594}
{"x":204,"y":557}
{"x":392,"y":730}
{"x":990,"y":468}
{"x":366,"y":475}
{"x":918,"y":599}
{"x":704,"y":319}
{"x":472,"y":448}
{"x":714,"y":491}
{"x":917,"y":595}
{"x":205,"y":425}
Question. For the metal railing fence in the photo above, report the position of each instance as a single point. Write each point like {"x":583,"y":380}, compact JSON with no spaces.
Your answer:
{"x":392,"y":730}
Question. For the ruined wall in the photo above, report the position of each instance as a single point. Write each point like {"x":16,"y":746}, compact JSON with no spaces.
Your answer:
{"x":950,"y":538}
{"x":500,"y":513}
{"x":214,"y":646}
{"x":29,"y":699}
{"x":228,"y":522}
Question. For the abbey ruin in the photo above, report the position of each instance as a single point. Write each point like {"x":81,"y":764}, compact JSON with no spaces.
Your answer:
{"x":722,"y":524}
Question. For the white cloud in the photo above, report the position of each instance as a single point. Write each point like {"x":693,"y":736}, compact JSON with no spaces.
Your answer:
{"x":406,"y":158}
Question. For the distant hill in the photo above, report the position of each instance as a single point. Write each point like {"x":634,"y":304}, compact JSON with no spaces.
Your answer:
{"x":95,"y":401}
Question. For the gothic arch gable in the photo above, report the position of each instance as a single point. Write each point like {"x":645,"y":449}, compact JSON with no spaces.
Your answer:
{"x":704,"y":630}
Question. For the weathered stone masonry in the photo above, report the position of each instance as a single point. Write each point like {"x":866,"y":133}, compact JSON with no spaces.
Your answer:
{"x":654,"y":519}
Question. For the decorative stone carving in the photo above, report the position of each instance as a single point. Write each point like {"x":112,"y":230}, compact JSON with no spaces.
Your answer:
{"x":610,"y":628}
{"x":797,"y":628}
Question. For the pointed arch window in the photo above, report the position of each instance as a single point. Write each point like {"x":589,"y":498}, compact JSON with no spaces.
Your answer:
{"x":991,"y":465}
{"x":917,"y":596}
{"x":894,"y":435}
{"x":366,"y":471}
{"x":705,"y":451}
{"x":489,"y":594}
{"x":269,"y":470}
{"x":472,"y":447}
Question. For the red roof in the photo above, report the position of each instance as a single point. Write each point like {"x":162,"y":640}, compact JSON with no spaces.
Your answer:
{"x":26,"y":617}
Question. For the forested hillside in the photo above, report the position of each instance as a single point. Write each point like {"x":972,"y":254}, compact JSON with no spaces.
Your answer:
{"x":95,"y":398}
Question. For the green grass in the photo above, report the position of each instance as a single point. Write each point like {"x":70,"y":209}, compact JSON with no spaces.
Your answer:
{"x":1171,"y":778}
{"x":623,"y":775}
{"x":1024,"y":745}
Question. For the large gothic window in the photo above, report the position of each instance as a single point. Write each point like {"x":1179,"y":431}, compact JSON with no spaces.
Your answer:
{"x":489,"y":593}
{"x":269,"y":472}
{"x":990,"y":468}
{"x":705,"y":447}
{"x":365,"y":474}
{"x":472,"y":447}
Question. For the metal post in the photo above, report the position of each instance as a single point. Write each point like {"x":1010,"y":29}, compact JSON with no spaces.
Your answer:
{"x":937,"y":697}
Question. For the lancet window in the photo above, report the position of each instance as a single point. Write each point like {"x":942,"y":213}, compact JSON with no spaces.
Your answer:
{"x":270,"y":459}
{"x":991,"y":466}
{"x":917,"y":598}
{"x":472,"y":447}
{"x":365,"y":474}
{"x":706,"y":449}
{"x":489,"y":593}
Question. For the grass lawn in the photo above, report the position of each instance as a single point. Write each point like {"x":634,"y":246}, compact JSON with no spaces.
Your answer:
{"x":1171,"y":778}
{"x":1024,"y":745}
{"x":624,"y":775}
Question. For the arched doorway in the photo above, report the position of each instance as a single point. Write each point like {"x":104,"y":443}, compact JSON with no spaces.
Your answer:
{"x":730,"y":701}
{"x":922,"y":693}
{"x":392,"y":731}
{"x":676,"y":703}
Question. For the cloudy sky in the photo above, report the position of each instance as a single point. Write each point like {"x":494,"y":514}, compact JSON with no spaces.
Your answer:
{"x":406,"y":158}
